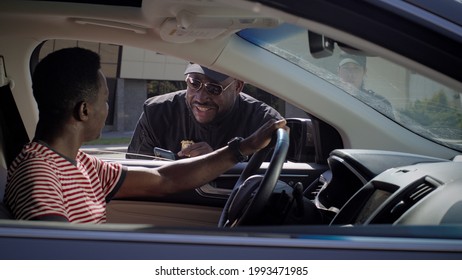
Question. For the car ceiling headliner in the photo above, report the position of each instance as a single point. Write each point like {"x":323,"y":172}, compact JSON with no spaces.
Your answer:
{"x":126,"y":3}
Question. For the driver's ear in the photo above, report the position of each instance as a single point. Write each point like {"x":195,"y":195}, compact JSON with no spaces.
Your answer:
{"x":81,"y":111}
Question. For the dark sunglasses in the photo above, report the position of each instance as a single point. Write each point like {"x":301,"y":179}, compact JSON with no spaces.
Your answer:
{"x":211,"y":88}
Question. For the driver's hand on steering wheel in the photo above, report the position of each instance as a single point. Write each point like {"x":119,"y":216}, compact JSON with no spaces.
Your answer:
{"x":262,"y":137}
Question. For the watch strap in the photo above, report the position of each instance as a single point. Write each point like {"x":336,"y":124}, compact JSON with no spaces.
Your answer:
{"x":233,"y":145}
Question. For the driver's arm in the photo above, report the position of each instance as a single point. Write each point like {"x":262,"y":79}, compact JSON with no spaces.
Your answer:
{"x":190,"y":173}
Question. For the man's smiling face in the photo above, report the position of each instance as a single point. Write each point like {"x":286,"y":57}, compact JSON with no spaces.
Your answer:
{"x":207,"y":107}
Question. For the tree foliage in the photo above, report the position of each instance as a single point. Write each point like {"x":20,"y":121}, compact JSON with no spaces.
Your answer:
{"x":155,"y":87}
{"x":437,"y":111}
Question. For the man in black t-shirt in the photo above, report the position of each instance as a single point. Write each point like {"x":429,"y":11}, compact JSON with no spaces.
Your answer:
{"x":202,"y":118}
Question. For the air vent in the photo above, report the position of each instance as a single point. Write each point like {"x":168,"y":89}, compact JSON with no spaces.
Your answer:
{"x":316,"y":186}
{"x":405,"y":200}
{"x":312,"y":192}
{"x":421,"y":191}
{"x":411,"y":197}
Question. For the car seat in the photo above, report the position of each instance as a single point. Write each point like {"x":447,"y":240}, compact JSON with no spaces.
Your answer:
{"x":4,"y":212}
{"x":13,"y":134}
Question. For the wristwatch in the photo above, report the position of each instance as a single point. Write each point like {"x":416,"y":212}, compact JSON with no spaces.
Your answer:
{"x":233,"y":145}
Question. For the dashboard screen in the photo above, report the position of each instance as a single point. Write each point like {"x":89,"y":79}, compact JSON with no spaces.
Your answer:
{"x":376,"y":199}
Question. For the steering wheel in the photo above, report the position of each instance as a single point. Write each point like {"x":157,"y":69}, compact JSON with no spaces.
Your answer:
{"x":251,"y":192}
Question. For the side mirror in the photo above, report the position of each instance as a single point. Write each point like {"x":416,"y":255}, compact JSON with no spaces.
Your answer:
{"x":301,"y":148}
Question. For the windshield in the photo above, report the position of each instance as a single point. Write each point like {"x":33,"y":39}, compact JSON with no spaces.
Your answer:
{"x":414,"y":101}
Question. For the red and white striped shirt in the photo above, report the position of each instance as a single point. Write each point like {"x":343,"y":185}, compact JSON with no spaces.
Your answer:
{"x":42,"y":182}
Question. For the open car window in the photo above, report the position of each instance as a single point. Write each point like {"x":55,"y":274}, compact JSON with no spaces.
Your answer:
{"x":134,"y":75}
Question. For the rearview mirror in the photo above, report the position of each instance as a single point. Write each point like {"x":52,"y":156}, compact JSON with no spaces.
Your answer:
{"x":320,"y":46}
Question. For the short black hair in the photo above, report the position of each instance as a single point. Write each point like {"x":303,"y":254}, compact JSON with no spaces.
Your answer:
{"x":63,"y":79}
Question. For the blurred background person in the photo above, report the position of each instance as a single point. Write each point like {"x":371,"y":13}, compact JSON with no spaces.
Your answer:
{"x":352,"y":69}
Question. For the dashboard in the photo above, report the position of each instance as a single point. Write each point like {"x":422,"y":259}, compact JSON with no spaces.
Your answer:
{"x":357,"y":187}
{"x":381,"y":187}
